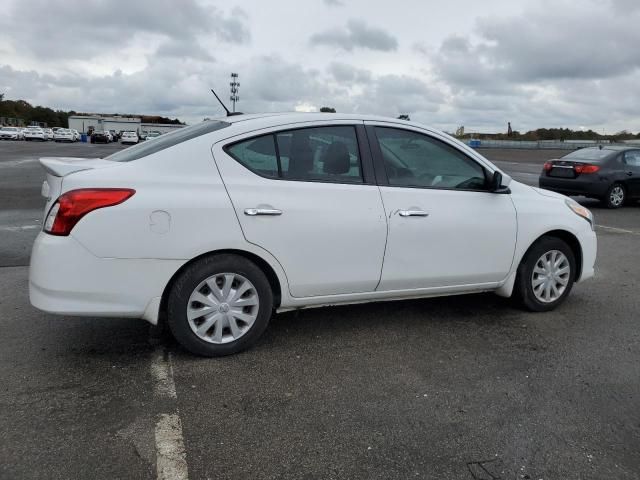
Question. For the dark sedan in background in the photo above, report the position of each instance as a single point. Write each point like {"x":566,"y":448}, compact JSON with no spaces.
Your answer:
{"x":99,"y":137}
{"x":610,"y":174}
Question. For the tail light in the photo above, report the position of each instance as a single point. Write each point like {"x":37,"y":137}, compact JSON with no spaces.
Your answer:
{"x":586,"y":168}
{"x":547,"y":166}
{"x":75,"y":204}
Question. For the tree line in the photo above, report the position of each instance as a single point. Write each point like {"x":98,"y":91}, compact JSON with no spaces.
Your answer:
{"x":555,"y":134}
{"x":30,"y":114}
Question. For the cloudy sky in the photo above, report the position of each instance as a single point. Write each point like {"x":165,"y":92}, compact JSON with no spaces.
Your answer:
{"x":536,"y":63}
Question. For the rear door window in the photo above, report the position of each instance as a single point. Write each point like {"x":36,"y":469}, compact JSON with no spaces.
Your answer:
{"x":632,"y":158}
{"x":316,"y":154}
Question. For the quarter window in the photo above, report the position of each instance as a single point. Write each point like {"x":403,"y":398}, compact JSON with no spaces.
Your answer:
{"x":412,"y":159}
{"x":321,"y":154}
{"x":258,"y":155}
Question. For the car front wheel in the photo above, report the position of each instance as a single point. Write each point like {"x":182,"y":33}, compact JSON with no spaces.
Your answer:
{"x":220,"y":305}
{"x":545,"y":275}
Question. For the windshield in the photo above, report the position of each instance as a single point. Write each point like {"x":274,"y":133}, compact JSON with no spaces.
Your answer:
{"x":590,"y":154}
{"x":9,"y":129}
{"x":165,"y":141}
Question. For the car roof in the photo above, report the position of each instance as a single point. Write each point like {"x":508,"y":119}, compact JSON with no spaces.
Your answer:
{"x":613,"y":148}
{"x":282,"y":118}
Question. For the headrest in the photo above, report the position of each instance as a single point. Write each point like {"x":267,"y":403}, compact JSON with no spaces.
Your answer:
{"x":336,"y":159}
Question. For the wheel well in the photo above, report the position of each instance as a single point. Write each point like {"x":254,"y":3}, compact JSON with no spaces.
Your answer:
{"x":262,"y":264}
{"x":571,"y":240}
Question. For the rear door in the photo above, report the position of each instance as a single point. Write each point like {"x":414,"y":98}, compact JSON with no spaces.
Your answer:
{"x":308,"y":196}
{"x":632,"y":172}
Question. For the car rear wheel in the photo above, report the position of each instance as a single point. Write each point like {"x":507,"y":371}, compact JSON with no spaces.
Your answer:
{"x":615,"y":196}
{"x":545,"y":275}
{"x":220,"y":305}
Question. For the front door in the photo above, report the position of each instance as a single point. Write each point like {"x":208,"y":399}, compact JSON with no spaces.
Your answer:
{"x":445,"y":228}
{"x":301,"y":195}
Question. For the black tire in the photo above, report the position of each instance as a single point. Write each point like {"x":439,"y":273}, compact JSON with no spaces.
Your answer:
{"x":196,"y":273}
{"x":609,"y":200}
{"x":523,"y":288}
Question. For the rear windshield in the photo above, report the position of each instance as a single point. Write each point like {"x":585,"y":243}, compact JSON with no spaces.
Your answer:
{"x":590,"y":154}
{"x":168,"y":140}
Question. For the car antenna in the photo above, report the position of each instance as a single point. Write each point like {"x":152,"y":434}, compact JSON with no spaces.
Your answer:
{"x":229,"y":114}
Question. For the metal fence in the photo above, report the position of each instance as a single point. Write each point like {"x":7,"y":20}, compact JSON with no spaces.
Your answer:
{"x":541,"y":144}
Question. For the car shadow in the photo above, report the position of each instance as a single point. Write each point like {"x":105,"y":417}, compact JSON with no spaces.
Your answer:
{"x":376,"y":325}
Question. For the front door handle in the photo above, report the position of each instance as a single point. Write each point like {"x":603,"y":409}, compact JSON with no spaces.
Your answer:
{"x":252,"y":212}
{"x":630,"y":173}
{"x":413,"y":213}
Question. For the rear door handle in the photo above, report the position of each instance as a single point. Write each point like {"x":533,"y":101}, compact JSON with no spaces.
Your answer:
{"x":413,"y":213}
{"x":252,"y":212}
{"x":630,"y":173}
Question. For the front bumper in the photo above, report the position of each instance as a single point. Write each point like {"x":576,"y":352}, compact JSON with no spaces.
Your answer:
{"x":589,"y":244}
{"x":593,"y":187}
{"x":65,"y":278}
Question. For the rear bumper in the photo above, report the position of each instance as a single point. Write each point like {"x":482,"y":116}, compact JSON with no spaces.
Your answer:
{"x":65,"y":278}
{"x":594,"y":187}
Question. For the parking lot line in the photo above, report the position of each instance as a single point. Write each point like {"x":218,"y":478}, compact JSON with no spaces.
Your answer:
{"x":171,"y":456}
{"x":18,"y":228}
{"x":619,"y":230}
{"x":15,"y":163}
{"x":171,"y":461}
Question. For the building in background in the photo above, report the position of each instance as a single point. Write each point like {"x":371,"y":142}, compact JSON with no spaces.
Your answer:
{"x":100,"y":123}
{"x":12,"y":122}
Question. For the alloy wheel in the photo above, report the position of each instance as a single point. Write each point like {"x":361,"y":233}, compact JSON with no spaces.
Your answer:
{"x":616,"y":196}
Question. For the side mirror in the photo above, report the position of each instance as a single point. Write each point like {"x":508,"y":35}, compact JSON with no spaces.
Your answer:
{"x":495,"y":184}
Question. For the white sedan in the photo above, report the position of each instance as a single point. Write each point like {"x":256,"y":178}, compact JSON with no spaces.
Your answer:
{"x":129,"y":137}
{"x":31,"y":133}
{"x":11,"y":133}
{"x":64,"y":135}
{"x":215,"y":226}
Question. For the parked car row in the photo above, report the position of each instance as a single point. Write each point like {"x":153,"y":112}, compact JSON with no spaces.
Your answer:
{"x":125,"y":137}
{"x":38,"y":133}
{"x":71,"y":135}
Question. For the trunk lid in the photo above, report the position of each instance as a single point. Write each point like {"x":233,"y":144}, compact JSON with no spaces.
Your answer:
{"x":59,"y":167}
{"x":565,"y":168}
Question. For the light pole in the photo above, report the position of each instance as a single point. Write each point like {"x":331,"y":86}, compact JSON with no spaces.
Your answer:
{"x":235,"y":87}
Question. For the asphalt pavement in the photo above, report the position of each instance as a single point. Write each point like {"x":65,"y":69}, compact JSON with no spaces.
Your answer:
{"x":465,"y":387}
